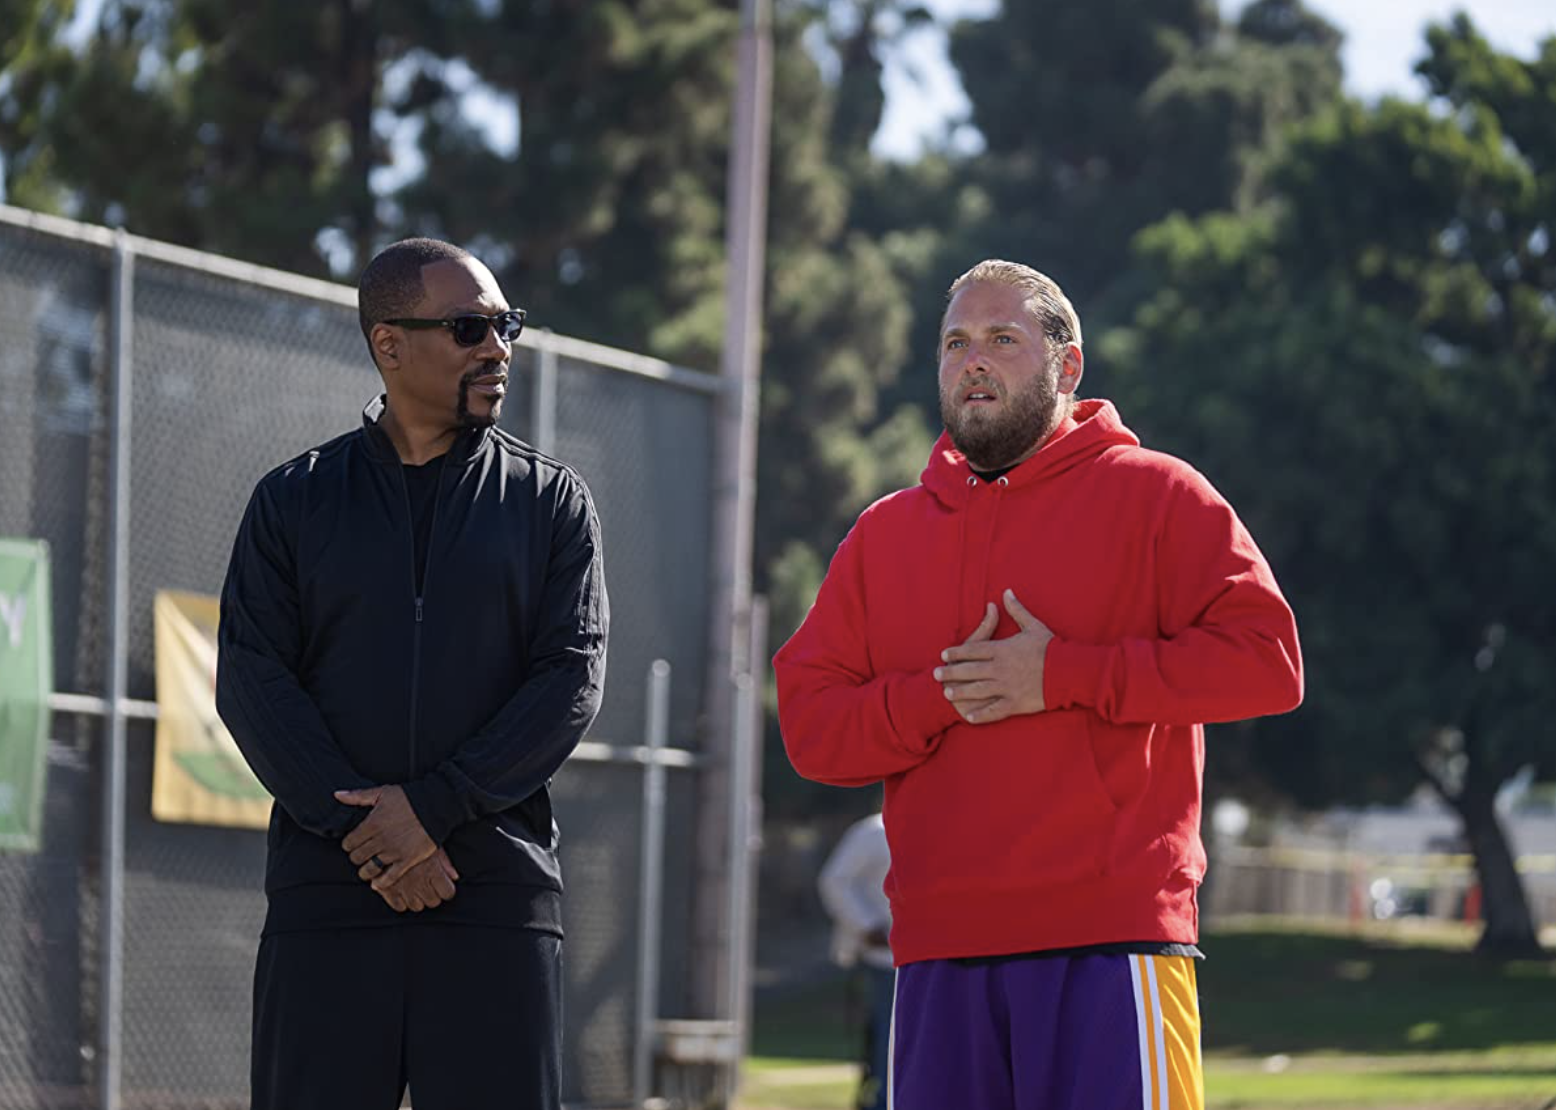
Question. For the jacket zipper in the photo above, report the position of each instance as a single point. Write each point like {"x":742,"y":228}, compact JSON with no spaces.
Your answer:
{"x":418,"y":591}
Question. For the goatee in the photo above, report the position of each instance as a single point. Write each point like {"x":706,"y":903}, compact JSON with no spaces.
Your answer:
{"x":465,"y":417}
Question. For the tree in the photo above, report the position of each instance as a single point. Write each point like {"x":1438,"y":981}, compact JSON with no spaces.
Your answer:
{"x":857,"y":36}
{"x":608,"y":210}
{"x":1058,"y":93}
{"x":1367,"y":364}
{"x":249,"y":130}
{"x":1094,"y":123}
{"x":69,"y":119}
{"x":30,"y":58}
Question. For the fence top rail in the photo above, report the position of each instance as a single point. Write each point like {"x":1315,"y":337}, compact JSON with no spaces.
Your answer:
{"x":216,"y":265}
{"x":1298,"y":858}
{"x":588,"y":751}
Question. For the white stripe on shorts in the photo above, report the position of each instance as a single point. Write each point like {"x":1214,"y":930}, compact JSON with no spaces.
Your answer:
{"x":891,"y":1043}
{"x":1141,"y":1033}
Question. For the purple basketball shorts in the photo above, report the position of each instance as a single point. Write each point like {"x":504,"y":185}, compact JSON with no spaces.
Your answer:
{"x":1084,"y":1032}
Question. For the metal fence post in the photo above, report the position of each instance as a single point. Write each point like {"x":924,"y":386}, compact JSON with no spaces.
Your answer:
{"x":543,"y":396}
{"x":748,"y":788}
{"x":651,"y":898}
{"x":739,"y":889}
{"x":111,"y":968}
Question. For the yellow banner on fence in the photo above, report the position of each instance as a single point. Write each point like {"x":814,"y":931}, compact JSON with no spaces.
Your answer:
{"x":199,"y":775}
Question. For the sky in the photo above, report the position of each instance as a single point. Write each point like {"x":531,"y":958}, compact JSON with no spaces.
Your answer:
{"x":1383,"y":39}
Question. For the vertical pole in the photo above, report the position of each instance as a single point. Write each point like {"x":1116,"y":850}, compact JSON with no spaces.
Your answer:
{"x":749,"y":850}
{"x":543,"y":396}
{"x":745,"y":840}
{"x":739,"y":836}
{"x":651,"y":881}
{"x":734,"y":491}
{"x":111,"y":969}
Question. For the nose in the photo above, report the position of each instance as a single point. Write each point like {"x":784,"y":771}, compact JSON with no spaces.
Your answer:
{"x":972,"y":360}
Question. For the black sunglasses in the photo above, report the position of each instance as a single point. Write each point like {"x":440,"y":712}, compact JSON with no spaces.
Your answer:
{"x":470,"y":330}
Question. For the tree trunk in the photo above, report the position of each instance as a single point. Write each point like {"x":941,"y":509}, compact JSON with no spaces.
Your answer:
{"x":1510,"y":931}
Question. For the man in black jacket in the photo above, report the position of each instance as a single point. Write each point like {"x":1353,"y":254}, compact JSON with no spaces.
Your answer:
{"x":412,"y":642}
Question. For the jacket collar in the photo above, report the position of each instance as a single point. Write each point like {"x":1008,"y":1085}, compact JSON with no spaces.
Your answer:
{"x":467,"y":445}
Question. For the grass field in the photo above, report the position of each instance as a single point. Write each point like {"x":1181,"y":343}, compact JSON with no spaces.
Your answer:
{"x":1387,"y":1018}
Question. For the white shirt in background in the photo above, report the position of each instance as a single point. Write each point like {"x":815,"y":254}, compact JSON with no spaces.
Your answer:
{"x":851,"y":885}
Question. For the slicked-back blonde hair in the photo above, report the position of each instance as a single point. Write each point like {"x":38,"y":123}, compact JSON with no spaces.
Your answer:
{"x":1051,"y":308}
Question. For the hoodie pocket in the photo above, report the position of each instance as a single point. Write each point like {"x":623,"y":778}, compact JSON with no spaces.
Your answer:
{"x":1122,"y":762}
{"x":1119,"y":762}
{"x":1078,"y":815}
{"x":1104,"y":799}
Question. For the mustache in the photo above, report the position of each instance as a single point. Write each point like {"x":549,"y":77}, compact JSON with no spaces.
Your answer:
{"x":978,"y":385}
{"x":493,"y":369}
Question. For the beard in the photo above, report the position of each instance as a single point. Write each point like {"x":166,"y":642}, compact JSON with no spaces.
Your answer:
{"x":991,"y":440}
{"x":465,"y":417}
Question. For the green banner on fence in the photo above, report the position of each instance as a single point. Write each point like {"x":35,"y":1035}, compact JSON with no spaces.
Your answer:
{"x":26,"y":678}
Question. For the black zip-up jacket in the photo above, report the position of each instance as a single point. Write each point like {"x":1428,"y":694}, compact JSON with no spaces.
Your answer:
{"x":334,"y":673}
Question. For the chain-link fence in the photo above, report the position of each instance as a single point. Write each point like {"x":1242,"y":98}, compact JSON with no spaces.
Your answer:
{"x":233,"y":370}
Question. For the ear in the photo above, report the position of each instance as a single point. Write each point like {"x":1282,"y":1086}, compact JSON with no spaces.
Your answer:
{"x":387,"y":343}
{"x":1072,"y":368}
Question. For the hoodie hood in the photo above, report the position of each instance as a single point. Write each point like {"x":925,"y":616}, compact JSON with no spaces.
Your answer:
{"x":1092,"y":427}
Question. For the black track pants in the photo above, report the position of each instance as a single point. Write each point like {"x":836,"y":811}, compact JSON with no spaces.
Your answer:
{"x":468,"y":1017}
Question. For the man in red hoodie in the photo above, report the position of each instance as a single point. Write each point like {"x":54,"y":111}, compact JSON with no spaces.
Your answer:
{"x":1026,"y":647}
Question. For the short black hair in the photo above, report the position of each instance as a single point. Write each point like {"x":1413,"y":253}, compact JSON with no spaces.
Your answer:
{"x":391,"y":285}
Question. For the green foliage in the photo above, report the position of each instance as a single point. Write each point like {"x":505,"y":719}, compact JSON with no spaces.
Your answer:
{"x":33,"y":64}
{"x":1366,"y":364}
{"x":607,"y":218}
{"x":1100,"y":119}
{"x":250,"y":130}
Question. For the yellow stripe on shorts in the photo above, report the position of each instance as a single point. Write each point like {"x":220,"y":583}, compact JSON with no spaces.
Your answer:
{"x":1167,"y":1021}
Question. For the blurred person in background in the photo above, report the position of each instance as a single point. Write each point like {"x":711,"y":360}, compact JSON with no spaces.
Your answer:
{"x":851,"y":889}
{"x":412,"y":642}
{"x":1025,"y":648}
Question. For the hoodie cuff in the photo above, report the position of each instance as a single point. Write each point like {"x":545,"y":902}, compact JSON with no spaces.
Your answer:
{"x":919,"y":708}
{"x":437,"y":805}
{"x":1071,"y":674}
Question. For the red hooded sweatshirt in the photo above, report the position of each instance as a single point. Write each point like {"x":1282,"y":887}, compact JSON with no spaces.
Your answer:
{"x":1078,"y":825}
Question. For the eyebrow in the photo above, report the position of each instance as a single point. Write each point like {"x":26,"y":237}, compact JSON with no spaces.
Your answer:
{"x":1009,"y":326}
{"x":467,"y":309}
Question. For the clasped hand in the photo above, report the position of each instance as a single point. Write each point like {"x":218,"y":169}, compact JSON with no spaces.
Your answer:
{"x":988,"y":679}
{"x":394,"y":853}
